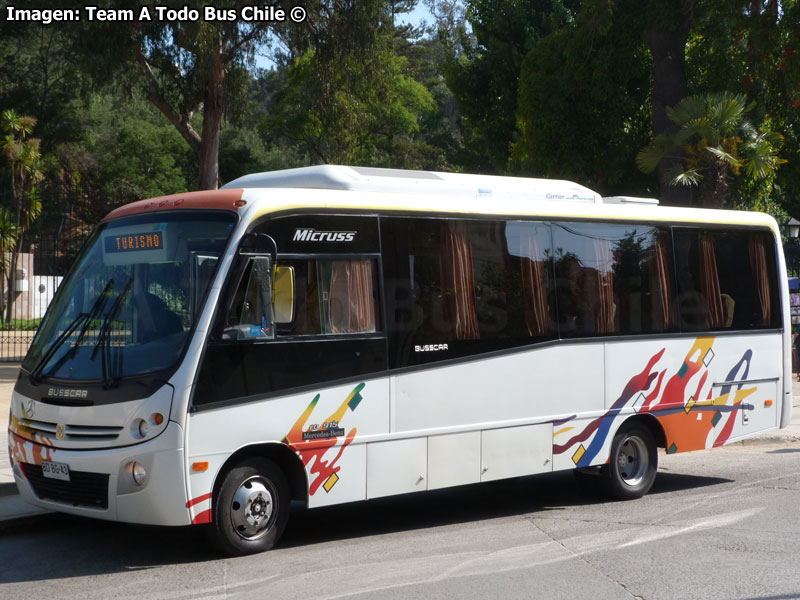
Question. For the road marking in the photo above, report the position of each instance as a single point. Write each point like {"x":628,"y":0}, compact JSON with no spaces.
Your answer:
{"x":365,"y":578}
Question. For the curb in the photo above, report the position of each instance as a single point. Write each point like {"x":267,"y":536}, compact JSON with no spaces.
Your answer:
{"x":769,"y":440}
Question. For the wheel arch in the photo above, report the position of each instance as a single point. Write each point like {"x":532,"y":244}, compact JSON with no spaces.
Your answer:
{"x":280,"y":454}
{"x":652,"y":424}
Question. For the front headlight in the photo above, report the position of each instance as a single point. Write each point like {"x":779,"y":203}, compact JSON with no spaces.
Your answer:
{"x":139,"y":473}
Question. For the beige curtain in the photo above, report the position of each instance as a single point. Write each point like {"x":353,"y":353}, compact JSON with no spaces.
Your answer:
{"x":604,"y":288}
{"x":351,"y":306}
{"x":709,"y":282}
{"x":532,"y":264}
{"x":458,"y":287}
{"x":758,"y":264}
{"x":660,"y":286}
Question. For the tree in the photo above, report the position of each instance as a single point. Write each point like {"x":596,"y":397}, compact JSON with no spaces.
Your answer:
{"x":8,"y":239}
{"x":348,"y":96}
{"x":25,"y":161}
{"x":716,"y":138}
{"x":134,"y":154}
{"x":188,"y":68}
{"x":484,"y":74}
{"x":582,"y":108}
{"x":753,"y":48}
{"x":666,"y":27}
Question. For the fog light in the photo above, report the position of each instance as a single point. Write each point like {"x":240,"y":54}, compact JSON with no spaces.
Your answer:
{"x":143,"y":428}
{"x":139,"y":473}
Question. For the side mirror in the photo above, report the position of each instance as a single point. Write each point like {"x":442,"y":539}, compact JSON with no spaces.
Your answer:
{"x":258,"y":243}
{"x":283,"y":294}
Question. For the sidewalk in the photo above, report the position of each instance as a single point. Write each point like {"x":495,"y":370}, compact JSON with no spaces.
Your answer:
{"x":12,"y":506}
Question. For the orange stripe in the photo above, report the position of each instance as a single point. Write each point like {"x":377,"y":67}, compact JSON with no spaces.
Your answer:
{"x":215,"y":199}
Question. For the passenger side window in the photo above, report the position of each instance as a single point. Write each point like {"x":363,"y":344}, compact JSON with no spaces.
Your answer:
{"x":613,"y":279}
{"x":726,"y":279}
{"x":333,"y":297}
{"x":458,"y":287}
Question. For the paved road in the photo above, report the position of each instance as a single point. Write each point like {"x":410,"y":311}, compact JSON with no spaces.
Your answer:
{"x":719,"y":524}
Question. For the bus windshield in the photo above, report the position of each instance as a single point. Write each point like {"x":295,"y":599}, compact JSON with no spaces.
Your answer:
{"x":130,"y":301}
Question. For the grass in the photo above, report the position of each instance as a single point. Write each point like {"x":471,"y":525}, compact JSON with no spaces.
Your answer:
{"x":20,"y":325}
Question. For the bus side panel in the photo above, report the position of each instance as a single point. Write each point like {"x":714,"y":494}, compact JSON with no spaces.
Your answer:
{"x":544,"y":383}
{"x":323,"y":426}
{"x":705,"y":392}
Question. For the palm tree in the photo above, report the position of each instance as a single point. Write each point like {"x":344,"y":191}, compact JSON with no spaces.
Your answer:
{"x":8,"y":241}
{"x":25,"y":160}
{"x":713,"y":137}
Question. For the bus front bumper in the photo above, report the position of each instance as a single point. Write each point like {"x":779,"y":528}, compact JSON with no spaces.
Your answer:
{"x":100,"y":483}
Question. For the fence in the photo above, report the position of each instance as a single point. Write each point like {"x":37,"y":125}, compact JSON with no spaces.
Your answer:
{"x":29,"y":283}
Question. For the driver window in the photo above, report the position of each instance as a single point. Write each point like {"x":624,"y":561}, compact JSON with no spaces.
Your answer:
{"x":250,"y":315}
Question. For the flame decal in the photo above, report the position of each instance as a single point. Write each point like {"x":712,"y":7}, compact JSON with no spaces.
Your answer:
{"x":323,"y":472}
{"x":690,"y":418}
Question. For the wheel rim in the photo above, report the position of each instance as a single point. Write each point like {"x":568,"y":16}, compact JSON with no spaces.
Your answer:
{"x":632,"y":460}
{"x":253,"y":508}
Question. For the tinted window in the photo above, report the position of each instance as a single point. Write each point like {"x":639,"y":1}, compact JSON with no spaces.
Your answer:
{"x":613,"y":279}
{"x":250,"y":313}
{"x":726,"y":279}
{"x":461,"y":287}
{"x":333,"y":297}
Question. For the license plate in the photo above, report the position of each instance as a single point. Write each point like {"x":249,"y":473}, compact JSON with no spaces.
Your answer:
{"x":55,"y":470}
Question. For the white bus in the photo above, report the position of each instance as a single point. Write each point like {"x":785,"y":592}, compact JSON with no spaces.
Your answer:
{"x":333,"y":334}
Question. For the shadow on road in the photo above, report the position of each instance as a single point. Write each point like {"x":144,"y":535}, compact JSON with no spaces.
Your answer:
{"x":60,"y":546}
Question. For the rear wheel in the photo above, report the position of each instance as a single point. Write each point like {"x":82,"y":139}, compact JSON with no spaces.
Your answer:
{"x":250,"y":508}
{"x":632,"y":465}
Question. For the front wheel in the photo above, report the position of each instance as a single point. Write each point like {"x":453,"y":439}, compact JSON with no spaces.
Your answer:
{"x":250,"y":508}
{"x":632,"y":465}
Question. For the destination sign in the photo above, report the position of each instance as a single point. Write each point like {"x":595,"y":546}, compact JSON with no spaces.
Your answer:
{"x":134,"y":243}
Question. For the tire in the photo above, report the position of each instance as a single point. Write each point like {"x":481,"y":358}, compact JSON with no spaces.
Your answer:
{"x":250,"y":508}
{"x":632,"y":463}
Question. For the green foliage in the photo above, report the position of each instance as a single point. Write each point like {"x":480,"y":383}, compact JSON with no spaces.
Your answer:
{"x":715,"y":137}
{"x":349,"y":99}
{"x":754,"y":49}
{"x":242,"y":152}
{"x":553,"y":88}
{"x":39,"y":78}
{"x":186,"y":68}
{"x":484,"y":77}
{"x":134,"y":154}
{"x":20,"y":325}
{"x":582,"y":104}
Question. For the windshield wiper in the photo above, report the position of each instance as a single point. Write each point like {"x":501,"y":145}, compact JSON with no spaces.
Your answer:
{"x":104,"y":338}
{"x":81,"y":318}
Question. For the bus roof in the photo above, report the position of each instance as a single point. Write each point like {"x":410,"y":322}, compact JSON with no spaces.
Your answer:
{"x":331,"y":187}
{"x":370,"y":179}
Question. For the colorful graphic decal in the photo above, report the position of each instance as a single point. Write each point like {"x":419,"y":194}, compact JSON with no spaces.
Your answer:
{"x":204,"y":516}
{"x":692,"y":419}
{"x":24,"y":444}
{"x":313,"y":442}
